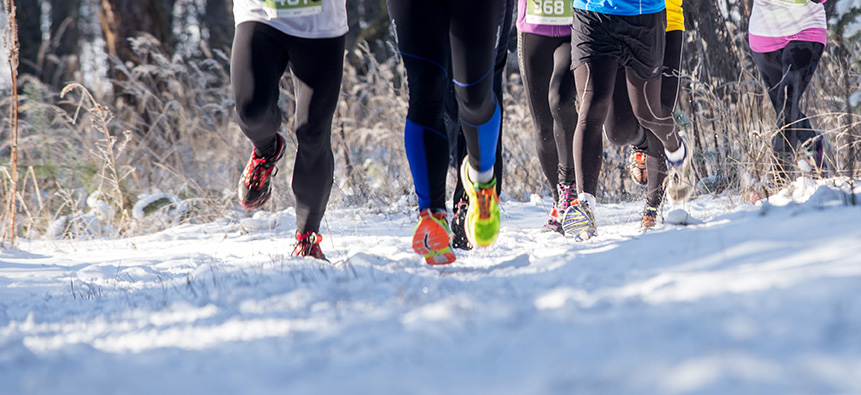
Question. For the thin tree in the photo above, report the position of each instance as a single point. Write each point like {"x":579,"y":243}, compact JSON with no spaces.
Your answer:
{"x":64,"y":51}
{"x":29,"y":35}
{"x":11,"y":39}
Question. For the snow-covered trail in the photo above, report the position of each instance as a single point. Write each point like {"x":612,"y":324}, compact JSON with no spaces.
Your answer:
{"x":756,"y":299}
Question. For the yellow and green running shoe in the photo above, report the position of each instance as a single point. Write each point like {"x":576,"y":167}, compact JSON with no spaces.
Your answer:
{"x":482,"y":216}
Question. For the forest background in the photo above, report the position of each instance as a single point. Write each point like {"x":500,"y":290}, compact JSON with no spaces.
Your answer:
{"x":118,"y":116}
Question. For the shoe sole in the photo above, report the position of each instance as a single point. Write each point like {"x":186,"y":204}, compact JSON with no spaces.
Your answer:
{"x":678,"y":189}
{"x":257,"y":203}
{"x":575,"y":222}
{"x":640,"y":182}
{"x":431,"y":241}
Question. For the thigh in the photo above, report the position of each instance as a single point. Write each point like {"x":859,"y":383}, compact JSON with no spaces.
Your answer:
{"x":257,"y":62}
{"x":562,"y":80}
{"x":474,"y":30}
{"x":800,"y":60}
{"x":595,"y":82}
{"x":591,"y":38}
{"x":770,"y":65}
{"x":317,"y":66}
{"x":642,"y":39}
{"x":535,"y":51}
{"x":421,"y":29}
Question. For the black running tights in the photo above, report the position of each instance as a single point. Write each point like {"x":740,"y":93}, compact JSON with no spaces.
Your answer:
{"x":260,"y":57}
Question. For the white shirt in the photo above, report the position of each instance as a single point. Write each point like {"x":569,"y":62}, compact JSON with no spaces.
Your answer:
{"x":299,"y":18}
{"x":776,"y":18}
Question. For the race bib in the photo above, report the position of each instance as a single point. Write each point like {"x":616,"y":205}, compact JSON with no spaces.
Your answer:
{"x":549,"y":12}
{"x":794,"y":2}
{"x":292,"y":8}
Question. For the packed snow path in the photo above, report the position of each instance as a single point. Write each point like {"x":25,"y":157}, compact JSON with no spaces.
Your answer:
{"x":763,"y":299}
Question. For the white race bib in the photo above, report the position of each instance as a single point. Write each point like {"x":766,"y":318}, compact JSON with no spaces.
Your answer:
{"x":549,"y":12}
{"x":793,"y":2}
{"x":292,"y":8}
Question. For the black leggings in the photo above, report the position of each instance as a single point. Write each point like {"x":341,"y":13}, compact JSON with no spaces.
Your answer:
{"x":455,"y":134}
{"x":260,"y":57}
{"x":545,"y":66}
{"x":787,"y":72}
{"x":622,"y":128}
{"x":596,"y":81}
{"x":429,"y":34}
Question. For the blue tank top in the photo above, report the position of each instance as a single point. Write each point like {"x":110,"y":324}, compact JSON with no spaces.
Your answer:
{"x":621,"y":7}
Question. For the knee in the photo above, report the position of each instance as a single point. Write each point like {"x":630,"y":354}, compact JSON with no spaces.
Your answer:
{"x":615,"y":136}
{"x":253,"y":116}
{"x":475,"y":103}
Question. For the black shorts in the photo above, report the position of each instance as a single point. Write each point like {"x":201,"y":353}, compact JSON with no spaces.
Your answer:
{"x":637,"y":41}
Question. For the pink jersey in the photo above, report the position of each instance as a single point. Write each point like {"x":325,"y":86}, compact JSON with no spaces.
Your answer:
{"x":775,"y":23}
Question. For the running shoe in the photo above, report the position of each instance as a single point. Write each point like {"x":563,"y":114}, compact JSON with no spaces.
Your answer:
{"x":680,"y":184}
{"x":566,"y":195}
{"x":255,"y":186}
{"x":579,"y":221}
{"x":458,"y":222}
{"x":650,"y":215}
{"x":637,"y":167}
{"x":308,"y":244}
{"x":814,"y":157}
{"x":482,"y":216}
{"x":432,"y":237}
{"x":553,"y":224}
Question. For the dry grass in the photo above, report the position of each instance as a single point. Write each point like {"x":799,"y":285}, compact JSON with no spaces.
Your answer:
{"x":171,"y":128}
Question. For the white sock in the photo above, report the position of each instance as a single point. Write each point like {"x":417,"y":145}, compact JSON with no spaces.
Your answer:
{"x":677,"y":155}
{"x":481,"y":177}
{"x":587,"y":198}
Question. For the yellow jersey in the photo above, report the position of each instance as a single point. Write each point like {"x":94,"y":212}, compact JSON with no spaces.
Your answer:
{"x":675,"y":17}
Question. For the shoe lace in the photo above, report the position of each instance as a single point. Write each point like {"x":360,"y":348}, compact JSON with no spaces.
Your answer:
{"x":484,"y":196}
{"x":650,"y":211}
{"x":258,"y":170}
{"x":567,"y":195}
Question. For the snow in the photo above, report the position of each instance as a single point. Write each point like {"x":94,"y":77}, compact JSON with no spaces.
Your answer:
{"x":746,"y":299}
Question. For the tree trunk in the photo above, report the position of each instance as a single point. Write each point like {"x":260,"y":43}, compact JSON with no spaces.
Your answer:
{"x":64,"y":52}
{"x":218,"y":21}
{"x":705,"y":18}
{"x":122,"y":20}
{"x":29,"y":35}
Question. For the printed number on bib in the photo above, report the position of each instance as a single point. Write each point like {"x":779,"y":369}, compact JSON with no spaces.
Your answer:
{"x":549,"y":12}
{"x":292,"y":8}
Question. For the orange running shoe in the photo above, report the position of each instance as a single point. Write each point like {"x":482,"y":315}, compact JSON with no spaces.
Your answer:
{"x":432,"y":237}
{"x":637,"y":168}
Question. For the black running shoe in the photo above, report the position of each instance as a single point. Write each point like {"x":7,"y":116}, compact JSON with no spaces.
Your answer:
{"x":458,"y":223}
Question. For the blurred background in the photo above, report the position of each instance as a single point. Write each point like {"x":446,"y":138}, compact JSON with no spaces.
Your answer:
{"x":119,"y":101}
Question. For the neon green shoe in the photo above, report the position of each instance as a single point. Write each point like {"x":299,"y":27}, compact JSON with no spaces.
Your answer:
{"x":482,"y":216}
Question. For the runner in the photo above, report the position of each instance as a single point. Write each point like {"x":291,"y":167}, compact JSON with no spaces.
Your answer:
{"x":605,"y":35}
{"x":622,"y":128}
{"x":310,"y":38}
{"x":787,"y":38}
{"x":456,"y":138}
{"x":544,"y":36}
{"x":429,"y":33}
